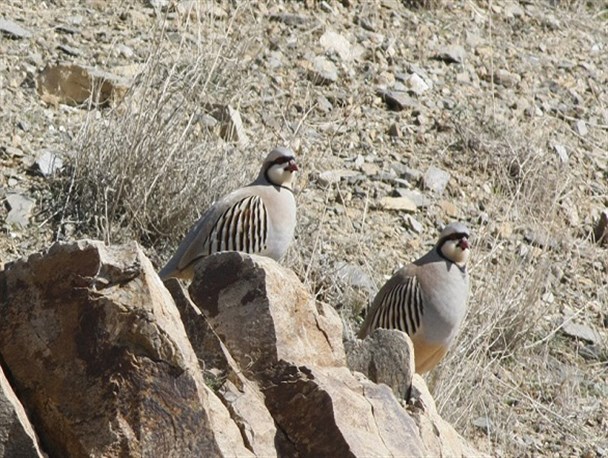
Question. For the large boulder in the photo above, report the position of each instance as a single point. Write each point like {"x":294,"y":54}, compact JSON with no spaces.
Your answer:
{"x":264,"y":314}
{"x":106,"y":361}
{"x":98,"y":354}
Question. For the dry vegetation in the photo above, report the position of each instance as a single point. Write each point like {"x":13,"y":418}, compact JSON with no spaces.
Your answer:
{"x":145,"y":169}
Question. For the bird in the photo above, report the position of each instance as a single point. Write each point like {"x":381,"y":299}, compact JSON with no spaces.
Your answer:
{"x":427,"y":299}
{"x":259,"y":218}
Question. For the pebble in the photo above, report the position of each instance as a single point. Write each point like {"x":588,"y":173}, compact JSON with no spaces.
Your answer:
{"x":398,"y":204}
{"x":581,"y":127}
{"x":413,"y":224}
{"x":453,"y":54}
{"x":483,"y":423}
{"x":436,"y":179}
{"x":449,"y":209}
{"x":336,"y":43}
{"x":397,"y":101}
{"x":417,"y":85}
{"x":506,"y":78}
{"x":601,"y":229}
{"x":421,"y":200}
{"x":323,"y":71}
{"x":20,"y":210}
{"x":561,"y":153}
{"x":581,"y":331}
{"x":48,"y":163}
{"x":354,"y":276}
{"x":13,"y":29}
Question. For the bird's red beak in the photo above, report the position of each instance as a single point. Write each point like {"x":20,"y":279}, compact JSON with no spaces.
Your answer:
{"x":463,"y":244}
{"x":292,"y":166}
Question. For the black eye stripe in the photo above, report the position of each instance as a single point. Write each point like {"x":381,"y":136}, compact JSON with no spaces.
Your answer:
{"x":283,"y":159}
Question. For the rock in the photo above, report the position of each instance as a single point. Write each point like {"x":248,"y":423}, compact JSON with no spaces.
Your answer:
{"x":100,"y":358}
{"x":449,"y":209}
{"x":386,"y":356}
{"x":354,"y":276}
{"x":322,"y":72}
{"x":453,"y":54}
{"x":241,"y":396}
{"x":394,"y":131}
{"x":72,"y":84}
{"x":439,"y":437}
{"x":397,"y":101}
{"x":13,"y":30}
{"x":283,"y":323}
{"x":20,"y":209}
{"x":334,"y":176}
{"x":330,"y":412}
{"x":421,"y":200}
{"x":417,"y":85}
{"x":484,"y":424}
{"x":231,"y":126}
{"x":601,"y":229}
{"x":436,"y":179}
{"x":506,"y":78}
{"x":48,"y":163}
{"x":335,"y":43}
{"x":413,"y":224}
{"x":581,"y":127}
{"x":561,"y":153}
{"x":17,"y":437}
{"x":292,"y":19}
{"x":581,"y":331}
{"x":398,"y":204}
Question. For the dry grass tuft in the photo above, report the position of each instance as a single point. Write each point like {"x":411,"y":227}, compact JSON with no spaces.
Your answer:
{"x":143,"y":169}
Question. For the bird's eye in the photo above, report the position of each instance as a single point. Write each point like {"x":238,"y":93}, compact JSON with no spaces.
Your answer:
{"x":283,"y":159}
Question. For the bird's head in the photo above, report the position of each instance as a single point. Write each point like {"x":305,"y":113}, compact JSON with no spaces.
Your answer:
{"x":279,"y":167}
{"x":454,"y":243}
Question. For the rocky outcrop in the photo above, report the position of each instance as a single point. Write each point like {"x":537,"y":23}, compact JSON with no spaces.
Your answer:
{"x":107,"y":361}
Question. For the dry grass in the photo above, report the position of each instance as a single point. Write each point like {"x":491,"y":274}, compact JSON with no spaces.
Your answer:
{"x":145,"y":169}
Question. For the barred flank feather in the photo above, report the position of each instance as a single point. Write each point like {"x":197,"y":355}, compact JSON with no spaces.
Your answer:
{"x":242,"y":227}
{"x":401,"y":308}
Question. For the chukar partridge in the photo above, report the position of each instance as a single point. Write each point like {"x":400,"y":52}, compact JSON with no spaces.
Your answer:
{"x":427,"y":299}
{"x":259,"y":218}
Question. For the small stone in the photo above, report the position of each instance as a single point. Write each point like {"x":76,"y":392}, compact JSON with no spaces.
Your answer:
{"x":483,"y":423}
{"x":48,"y":163}
{"x":436,"y":179}
{"x":398,"y":204}
{"x":334,"y":176}
{"x":355,"y":276}
{"x":561,"y":153}
{"x":394,"y":130}
{"x":232,"y":129}
{"x":453,"y":54}
{"x":418,"y":198}
{"x":413,"y":224}
{"x":13,"y":29}
{"x":506,"y":78}
{"x":449,"y":209}
{"x":323,"y":71}
{"x":370,"y":169}
{"x":397,"y":101}
{"x":20,"y":209}
{"x":69,"y":50}
{"x":581,"y":331}
{"x":417,"y":85}
{"x":581,"y":127}
{"x":601,"y":229}
{"x":336,"y":43}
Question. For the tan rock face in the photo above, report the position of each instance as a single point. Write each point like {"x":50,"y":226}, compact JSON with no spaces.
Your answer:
{"x":329,"y":412}
{"x":97,"y":350}
{"x":264,"y":314}
{"x":106,"y":363}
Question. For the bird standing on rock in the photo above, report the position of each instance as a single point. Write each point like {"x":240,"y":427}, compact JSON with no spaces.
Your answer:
{"x":259,"y":218}
{"x":427,"y":299}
